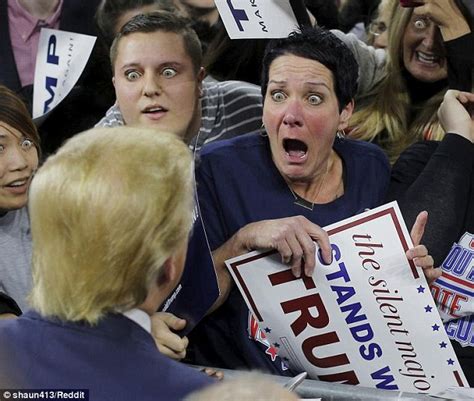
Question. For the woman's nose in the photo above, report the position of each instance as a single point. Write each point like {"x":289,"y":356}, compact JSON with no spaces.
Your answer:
{"x":17,"y":160}
{"x":293,"y":115}
{"x":431,"y":36}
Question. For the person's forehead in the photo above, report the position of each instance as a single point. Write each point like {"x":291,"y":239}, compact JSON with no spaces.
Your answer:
{"x":305,"y":67}
{"x":157,"y":42}
{"x":8,"y":132}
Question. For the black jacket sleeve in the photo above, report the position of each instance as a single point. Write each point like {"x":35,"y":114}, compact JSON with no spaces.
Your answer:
{"x":435,"y":176}
{"x":460,"y":56}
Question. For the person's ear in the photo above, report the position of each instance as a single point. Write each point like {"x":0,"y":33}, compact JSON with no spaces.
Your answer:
{"x":168,"y":272}
{"x":345,"y":115}
{"x":201,"y":74}
{"x":200,"y":77}
{"x":113,"y":81}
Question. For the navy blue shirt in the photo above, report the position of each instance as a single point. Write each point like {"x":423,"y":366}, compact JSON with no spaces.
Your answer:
{"x":238,"y":183}
{"x":116,"y":360}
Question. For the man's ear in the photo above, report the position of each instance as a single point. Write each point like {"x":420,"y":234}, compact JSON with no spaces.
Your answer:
{"x":201,"y":74}
{"x":168,"y":272}
{"x":113,"y":81}
{"x":200,"y":77}
{"x":345,"y":115}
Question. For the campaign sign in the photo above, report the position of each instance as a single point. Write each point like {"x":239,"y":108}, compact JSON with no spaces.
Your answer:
{"x":368,"y":318}
{"x":454,"y":290}
{"x":258,"y":19}
{"x":61,"y":58}
{"x":198,"y":288}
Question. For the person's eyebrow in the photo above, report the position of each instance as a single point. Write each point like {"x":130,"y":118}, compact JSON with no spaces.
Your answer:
{"x":308,"y":83}
{"x":160,"y":66}
{"x":3,"y":136}
{"x":318,"y":83}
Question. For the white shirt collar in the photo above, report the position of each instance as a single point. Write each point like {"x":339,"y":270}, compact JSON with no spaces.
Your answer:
{"x":140,"y":317}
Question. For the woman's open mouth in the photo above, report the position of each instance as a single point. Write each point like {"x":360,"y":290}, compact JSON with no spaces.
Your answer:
{"x":295,"y":150}
{"x":429,"y":60}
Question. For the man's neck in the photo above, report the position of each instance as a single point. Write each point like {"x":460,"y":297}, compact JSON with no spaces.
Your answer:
{"x":41,"y":9}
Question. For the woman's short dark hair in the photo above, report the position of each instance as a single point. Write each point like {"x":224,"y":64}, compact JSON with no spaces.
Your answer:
{"x":14,"y":113}
{"x":324,"y":47}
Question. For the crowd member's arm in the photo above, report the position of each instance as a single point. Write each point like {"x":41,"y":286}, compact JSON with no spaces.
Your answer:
{"x":437,"y":176}
{"x":458,"y":39}
{"x":371,"y":62}
{"x":292,"y":237}
{"x":447,"y":15}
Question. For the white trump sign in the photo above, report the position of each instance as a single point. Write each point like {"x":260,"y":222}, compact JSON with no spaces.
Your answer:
{"x":258,"y":19}
{"x":368,"y":318}
{"x":61,"y":58}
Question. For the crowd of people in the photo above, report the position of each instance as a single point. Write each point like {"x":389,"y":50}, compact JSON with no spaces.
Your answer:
{"x":274,"y":139}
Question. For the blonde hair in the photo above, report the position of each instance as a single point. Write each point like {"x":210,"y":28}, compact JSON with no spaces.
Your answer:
{"x":106,"y":211}
{"x":387,"y":107}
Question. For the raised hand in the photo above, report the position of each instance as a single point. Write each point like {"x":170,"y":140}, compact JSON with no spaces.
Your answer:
{"x":456,"y":113}
{"x":419,"y":253}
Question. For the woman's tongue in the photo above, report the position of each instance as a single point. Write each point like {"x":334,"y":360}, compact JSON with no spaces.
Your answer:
{"x":295,"y":148}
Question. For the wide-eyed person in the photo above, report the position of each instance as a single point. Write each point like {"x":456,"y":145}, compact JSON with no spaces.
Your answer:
{"x":159,"y":80}
{"x":429,"y":48}
{"x":275,"y":191}
{"x":19,"y":154}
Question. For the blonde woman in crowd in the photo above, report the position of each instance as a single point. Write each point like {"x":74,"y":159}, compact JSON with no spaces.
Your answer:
{"x":377,"y":35}
{"x":400,"y":89}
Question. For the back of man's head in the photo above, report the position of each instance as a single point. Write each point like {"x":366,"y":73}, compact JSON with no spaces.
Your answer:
{"x":107,"y":210}
{"x":162,"y":21}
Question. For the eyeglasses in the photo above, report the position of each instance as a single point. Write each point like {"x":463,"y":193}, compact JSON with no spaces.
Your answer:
{"x":377,"y":28}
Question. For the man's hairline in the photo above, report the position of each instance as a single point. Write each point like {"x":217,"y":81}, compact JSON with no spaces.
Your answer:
{"x":196,"y":68}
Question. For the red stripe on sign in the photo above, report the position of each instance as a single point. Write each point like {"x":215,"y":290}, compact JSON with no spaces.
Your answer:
{"x":458,"y":280}
{"x":458,"y":378}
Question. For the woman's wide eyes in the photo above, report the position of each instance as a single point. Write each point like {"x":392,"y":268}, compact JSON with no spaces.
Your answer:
{"x":314,"y":99}
{"x":132,"y":75}
{"x":278,"y":96}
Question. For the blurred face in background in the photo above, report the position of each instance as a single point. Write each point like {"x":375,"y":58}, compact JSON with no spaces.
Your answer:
{"x":18,"y":162}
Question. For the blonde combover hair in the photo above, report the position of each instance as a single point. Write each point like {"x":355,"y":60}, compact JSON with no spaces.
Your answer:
{"x":107,"y":210}
{"x":387,"y":106}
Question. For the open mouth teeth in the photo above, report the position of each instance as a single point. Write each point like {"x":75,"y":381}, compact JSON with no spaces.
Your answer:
{"x":154,"y":110}
{"x":427,"y":58}
{"x":295,"y":147}
{"x":17,"y":183}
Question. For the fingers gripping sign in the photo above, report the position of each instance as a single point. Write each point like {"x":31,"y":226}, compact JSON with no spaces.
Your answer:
{"x":295,"y":238}
{"x":168,"y":342}
{"x":419,"y":253}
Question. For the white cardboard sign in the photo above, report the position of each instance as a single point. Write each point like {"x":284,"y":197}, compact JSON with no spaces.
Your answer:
{"x":247,"y":19}
{"x":61,"y":58}
{"x":368,"y":318}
